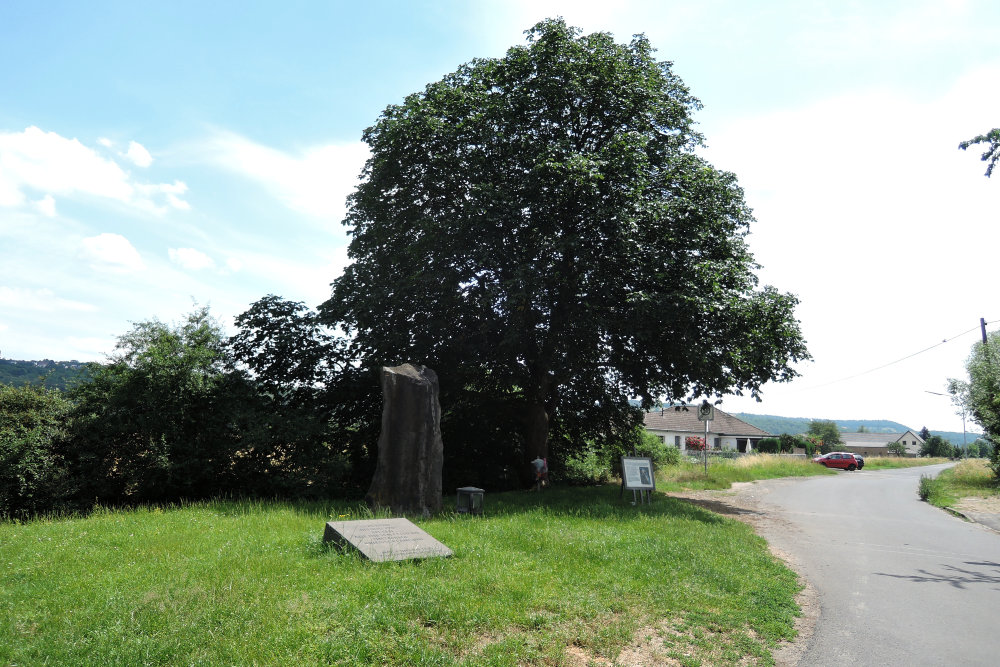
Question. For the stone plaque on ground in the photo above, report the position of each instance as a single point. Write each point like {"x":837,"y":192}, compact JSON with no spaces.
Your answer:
{"x":385,"y":539}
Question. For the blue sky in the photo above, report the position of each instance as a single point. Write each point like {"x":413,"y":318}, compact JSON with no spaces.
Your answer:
{"x":154,"y":155}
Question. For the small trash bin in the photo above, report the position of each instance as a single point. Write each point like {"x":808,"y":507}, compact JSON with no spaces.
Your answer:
{"x":469,"y":500}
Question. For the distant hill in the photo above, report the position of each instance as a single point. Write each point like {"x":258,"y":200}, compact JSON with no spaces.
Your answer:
{"x":796,"y":425}
{"x":52,"y":374}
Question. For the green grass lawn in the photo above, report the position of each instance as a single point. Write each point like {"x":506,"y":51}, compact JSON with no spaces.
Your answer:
{"x":560,"y":577}
{"x":541,"y":577}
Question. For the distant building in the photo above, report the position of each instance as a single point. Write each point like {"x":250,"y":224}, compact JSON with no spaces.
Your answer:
{"x":674,"y":424}
{"x":877,"y":444}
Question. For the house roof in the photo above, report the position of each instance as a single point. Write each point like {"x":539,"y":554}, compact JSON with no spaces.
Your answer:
{"x":677,"y":419}
{"x":877,"y":439}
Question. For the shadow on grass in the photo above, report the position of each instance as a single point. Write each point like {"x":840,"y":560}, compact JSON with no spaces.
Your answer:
{"x":598,"y":502}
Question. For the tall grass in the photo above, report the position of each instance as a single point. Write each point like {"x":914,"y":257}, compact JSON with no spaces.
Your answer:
{"x":894,"y":462}
{"x":251,"y":582}
{"x":722,"y":473}
{"x":971,"y":477}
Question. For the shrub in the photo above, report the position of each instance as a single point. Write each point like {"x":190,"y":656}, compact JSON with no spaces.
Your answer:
{"x":769,"y":446}
{"x":672,"y":456}
{"x":655,"y":448}
{"x":694,"y":443}
{"x":33,"y":473}
{"x":809,"y":445}
{"x":788,"y":443}
{"x":585,"y":468}
{"x":926,"y":487}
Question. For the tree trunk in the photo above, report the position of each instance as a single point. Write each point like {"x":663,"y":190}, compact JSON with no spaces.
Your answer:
{"x":536,"y":439}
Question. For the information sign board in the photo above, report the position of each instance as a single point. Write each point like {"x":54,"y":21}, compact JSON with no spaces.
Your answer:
{"x":637,"y":473}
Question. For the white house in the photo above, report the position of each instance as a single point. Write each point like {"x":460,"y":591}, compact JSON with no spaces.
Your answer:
{"x":674,"y":424}
{"x":877,"y":444}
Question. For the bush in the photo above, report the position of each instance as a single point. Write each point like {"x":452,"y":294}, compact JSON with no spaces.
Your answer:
{"x":33,"y":473}
{"x":655,"y":448}
{"x":694,"y":443}
{"x":585,"y":468}
{"x":926,"y":487}
{"x":808,"y":445}
{"x":769,"y":446}
{"x":672,"y":456}
{"x":788,"y":443}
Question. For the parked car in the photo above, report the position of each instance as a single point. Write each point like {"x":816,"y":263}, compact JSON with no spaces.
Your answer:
{"x":861,"y":461}
{"x":842,"y":460}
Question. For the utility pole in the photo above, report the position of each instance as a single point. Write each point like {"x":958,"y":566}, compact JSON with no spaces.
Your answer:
{"x":982,"y":326}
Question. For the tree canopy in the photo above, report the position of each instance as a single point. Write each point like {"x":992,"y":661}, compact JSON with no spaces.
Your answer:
{"x":992,"y":152}
{"x":828,"y":433}
{"x":539,"y":229}
{"x":980,"y":395}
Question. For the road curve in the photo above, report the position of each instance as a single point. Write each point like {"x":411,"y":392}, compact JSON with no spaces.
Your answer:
{"x":900,"y":582}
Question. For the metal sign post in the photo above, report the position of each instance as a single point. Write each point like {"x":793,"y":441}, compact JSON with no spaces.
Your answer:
{"x":706,"y":413}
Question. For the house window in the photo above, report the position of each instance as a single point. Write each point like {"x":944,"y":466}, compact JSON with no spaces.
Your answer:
{"x":662,"y":438}
{"x":718,"y":443}
{"x":677,"y":441}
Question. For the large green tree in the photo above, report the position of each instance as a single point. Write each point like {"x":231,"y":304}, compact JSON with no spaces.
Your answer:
{"x":540,"y":230}
{"x":979,"y":396}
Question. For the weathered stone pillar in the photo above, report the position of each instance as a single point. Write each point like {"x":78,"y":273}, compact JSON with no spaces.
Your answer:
{"x":410,"y":451}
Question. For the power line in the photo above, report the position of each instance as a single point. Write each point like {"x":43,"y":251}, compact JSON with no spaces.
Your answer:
{"x":892,"y":363}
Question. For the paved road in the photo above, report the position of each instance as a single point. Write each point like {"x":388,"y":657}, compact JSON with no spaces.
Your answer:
{"x":900,"y":582}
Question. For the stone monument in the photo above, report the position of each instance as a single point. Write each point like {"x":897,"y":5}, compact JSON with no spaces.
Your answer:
{"x":410,"y":451}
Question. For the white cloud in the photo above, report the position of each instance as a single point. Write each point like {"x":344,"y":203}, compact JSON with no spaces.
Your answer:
{"x":44,"y":162}
{"x":170,"y":191}
{"x":138,"y":154}
{"x":46,"y":206}
{"x":39,"y":300}
{"x":315,"y":182}
{"x":190,"y":259}
{"x":111,"y":252}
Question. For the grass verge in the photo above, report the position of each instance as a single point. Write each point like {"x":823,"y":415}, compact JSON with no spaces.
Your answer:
{"x":723,"y":473}
{"x":568,"y":576}
{"x":970,"y":478}
{"x":892,"y":462}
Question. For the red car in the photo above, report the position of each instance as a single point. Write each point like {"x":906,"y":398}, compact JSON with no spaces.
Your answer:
{"x":843,"y":460}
